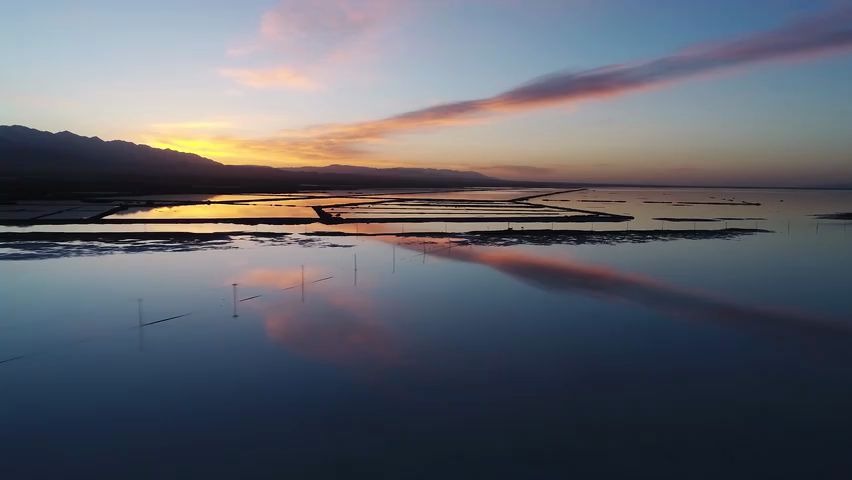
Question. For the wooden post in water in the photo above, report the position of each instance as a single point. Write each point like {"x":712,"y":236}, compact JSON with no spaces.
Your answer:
{"x":141,"y":332}
{"x":139,"y":309}
{"x":355,"y":268}
{"x":424,"y":251}
{"x":234,"y":286}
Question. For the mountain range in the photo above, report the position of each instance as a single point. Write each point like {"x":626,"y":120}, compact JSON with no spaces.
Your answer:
{"x":38,"y":162}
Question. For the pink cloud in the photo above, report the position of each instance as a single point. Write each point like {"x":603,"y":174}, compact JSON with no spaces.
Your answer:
{"x":825,"y":34}
{"x":314,"y":36}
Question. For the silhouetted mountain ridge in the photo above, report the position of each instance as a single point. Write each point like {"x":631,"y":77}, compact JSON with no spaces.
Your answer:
{"x":36,"y":162}
{"x":24,"y":149}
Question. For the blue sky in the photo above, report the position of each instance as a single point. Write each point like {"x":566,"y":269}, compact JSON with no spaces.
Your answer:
{"x":275,"y":82}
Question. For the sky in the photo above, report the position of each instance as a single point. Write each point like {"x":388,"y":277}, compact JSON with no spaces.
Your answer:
{"x":709,"y":92}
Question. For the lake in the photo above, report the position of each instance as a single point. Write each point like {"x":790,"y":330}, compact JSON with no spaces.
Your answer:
{"x":709,"y":337}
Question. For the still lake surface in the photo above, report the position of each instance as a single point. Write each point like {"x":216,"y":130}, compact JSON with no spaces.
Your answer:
{"x":692,"y":358}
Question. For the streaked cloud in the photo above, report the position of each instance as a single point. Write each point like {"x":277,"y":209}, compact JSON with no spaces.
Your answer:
{"x":825,"y":34}
{"x":193,"y":125}
{"x":276,"y":77}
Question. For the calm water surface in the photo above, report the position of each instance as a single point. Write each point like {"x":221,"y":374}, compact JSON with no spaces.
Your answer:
{"x":670,"y":359}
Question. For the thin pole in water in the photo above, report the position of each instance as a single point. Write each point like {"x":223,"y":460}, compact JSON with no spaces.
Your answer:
{"x":234,"y":286}
{"x":355,"y":265}
{"x":424,"y":251}
{"x":139,"y":309}
{"x":303,"y":284}
{"x":141,"y":333}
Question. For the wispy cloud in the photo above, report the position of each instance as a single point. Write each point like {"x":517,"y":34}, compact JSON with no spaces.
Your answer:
{"x":310,"y":37}
{"x":825,"y":34}
{"x":193,"y":125}
{"x":276,"y":77}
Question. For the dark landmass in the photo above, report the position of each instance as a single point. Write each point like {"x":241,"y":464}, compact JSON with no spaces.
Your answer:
{"x":563,"y":237}
{"x":41,"y":164}
{"x":328,"y":220}
{"x":402,"y":210}
{"x":686,"y":219}
{"x":835,"y":216}
{"x":45,"y":245}
{"x":732,"y":204}
{"x":679,"y":203}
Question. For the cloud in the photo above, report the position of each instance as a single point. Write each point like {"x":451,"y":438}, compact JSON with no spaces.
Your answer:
{"x":825,"y":34}
{"x":828,"y":33}
{"x":312,"y":36}
{"x":193,"y":125}
{"x":276,"y":77}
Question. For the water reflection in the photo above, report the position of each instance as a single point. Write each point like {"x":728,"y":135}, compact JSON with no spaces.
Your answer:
{"x":610,"y":284}
{"x":337,"y":328}
{"x":331,"y":324}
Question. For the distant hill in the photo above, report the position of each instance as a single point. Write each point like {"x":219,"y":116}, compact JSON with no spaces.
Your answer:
{"x":38,"y":162}
{"x":395,"y":173}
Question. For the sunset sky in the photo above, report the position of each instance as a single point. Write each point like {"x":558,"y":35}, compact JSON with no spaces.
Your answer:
{"x":670,"y":91}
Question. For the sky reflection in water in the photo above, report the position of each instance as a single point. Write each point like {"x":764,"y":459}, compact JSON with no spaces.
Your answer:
{"x":524,"y":361}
